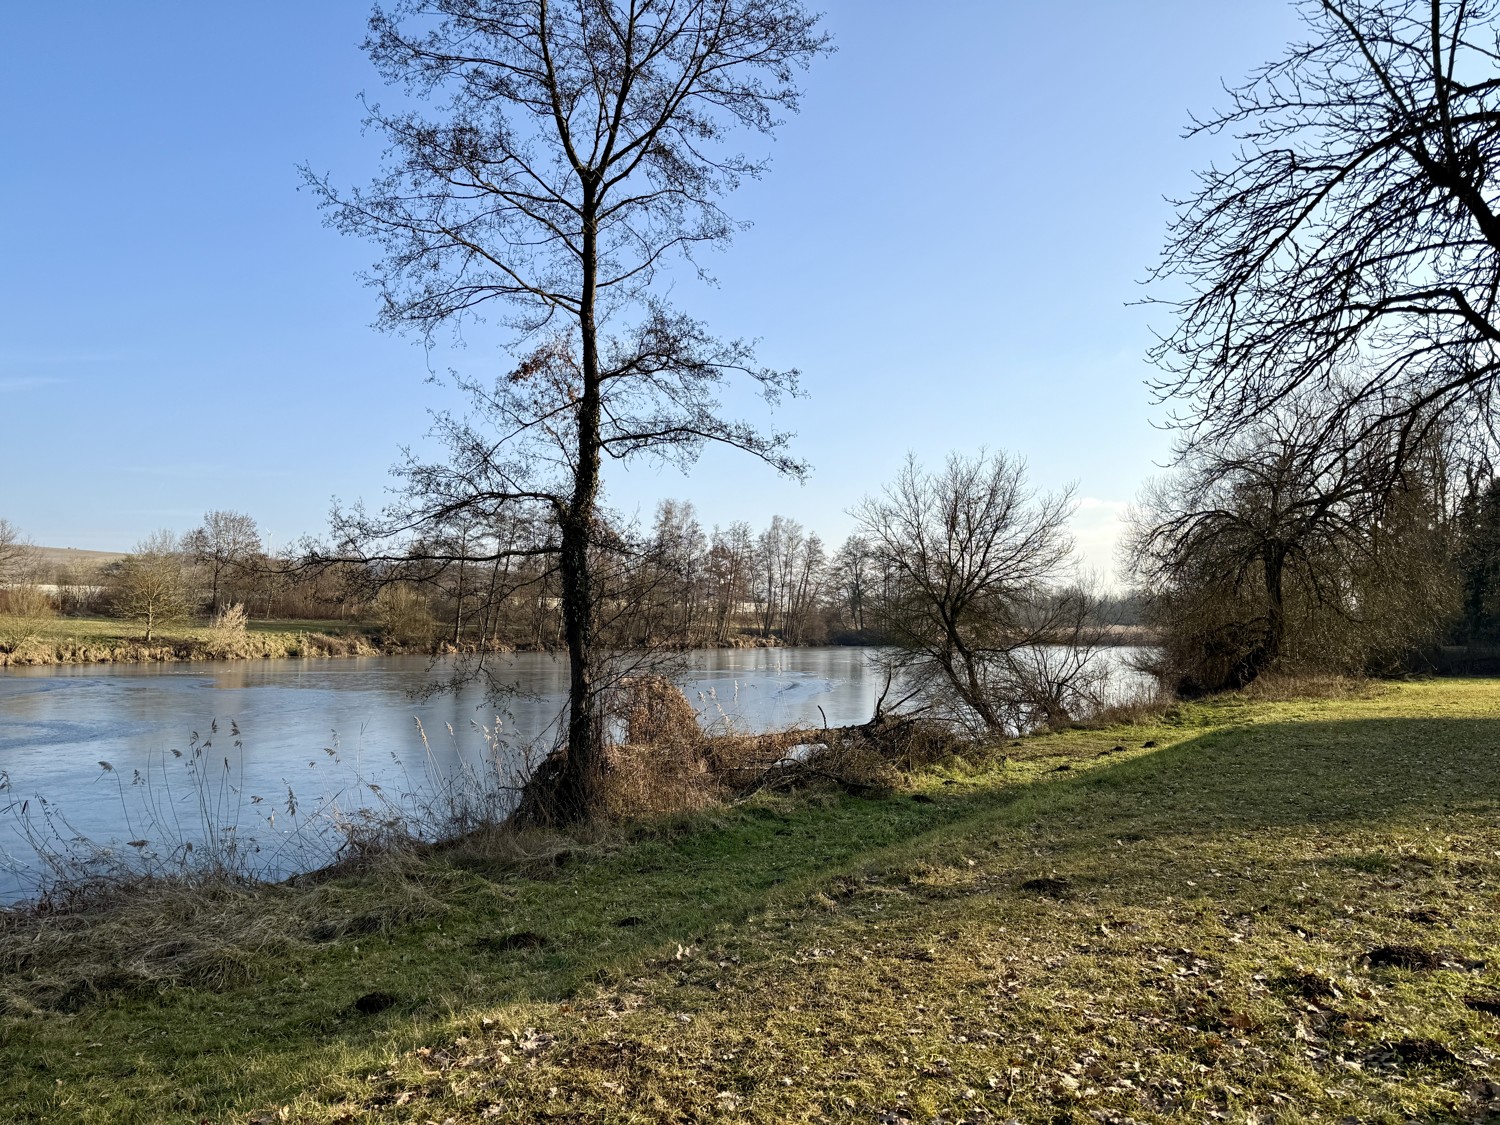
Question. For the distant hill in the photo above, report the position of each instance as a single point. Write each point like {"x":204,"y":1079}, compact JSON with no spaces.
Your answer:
{"x":72,"y":556}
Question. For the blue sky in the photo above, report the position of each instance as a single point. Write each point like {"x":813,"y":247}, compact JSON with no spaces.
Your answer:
{"x":947,"y":246}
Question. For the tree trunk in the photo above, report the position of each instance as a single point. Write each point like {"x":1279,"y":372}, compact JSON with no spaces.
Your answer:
{"x":458,"y":609}
{"x":576,"y":786}
{"x":1275,"y":608}
{"x":1267,"y":651}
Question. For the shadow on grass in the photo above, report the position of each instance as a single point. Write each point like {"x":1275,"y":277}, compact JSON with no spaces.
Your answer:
{"x":1286,"y":774}
{"x":501,"y":940}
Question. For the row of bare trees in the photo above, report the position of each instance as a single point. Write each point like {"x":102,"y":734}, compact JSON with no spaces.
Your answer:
{"x":671,"y":584}
{"x":168,"y":578}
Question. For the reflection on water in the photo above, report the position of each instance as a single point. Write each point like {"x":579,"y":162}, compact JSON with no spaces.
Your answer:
{"x":58,"y":724}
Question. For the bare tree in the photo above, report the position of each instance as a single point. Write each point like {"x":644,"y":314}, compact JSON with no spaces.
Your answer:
{"x":676,"y":554}
{"x":1355,"y":230}
{"x":852,"y":579}
{"x":1283,"y":546}
{"x":1248,"y":517}
{"x":974,"y":559}
{"x":24,"y":607}
{"x":806,"y":580}
{"x":730,"y":568}
{"x":578,"y":145}
{"x":17,"y":556}
{"x":224,"y":542}
{"x":150,"y":586}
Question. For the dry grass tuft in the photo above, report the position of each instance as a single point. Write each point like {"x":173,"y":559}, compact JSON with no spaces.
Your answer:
{"x":662,"y":768}
{"x":656,"y":712}
{"x":160,"y":934}
{"x":867,"y":759}
{"x":335,"y":644}
{"x":137,"y":940}
{"x":1279,"y":687}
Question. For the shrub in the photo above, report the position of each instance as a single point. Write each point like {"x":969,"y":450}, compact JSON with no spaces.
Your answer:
{"x":228,"y":634}
{"x":403,"y":615}
{"x":26,"y":610}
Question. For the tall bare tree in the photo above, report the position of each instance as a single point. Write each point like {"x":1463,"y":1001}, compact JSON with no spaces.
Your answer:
{"x":853,"y":580}
{"x":730,"y":567}
{"x":576,"y":146}
{"x":1355,"y":230}
{"x":806,"y":585}
{"x":223,"y":542}
{"x":17,"y":556}
{"x":974,"y":558}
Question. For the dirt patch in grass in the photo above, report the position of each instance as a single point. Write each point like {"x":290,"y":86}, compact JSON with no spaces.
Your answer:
{"x":1049,"y":887}
{"x":1410,"y":957}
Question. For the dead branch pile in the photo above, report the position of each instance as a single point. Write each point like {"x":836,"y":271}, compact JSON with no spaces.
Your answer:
{"x":667,"y":764}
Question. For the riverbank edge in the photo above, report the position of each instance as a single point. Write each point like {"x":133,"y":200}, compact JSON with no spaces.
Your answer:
{"x":267,"y":646}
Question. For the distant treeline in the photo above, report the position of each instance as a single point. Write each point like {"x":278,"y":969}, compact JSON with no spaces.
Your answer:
{"x":672,"y":583}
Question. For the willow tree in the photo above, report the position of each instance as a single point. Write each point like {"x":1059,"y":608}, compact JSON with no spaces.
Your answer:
{"x":1247,"y":537}
{"x":1292,"y":547}
{"x":552,"y":160}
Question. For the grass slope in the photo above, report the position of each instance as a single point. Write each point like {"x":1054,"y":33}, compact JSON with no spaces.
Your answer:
{"x":1279,"y":912}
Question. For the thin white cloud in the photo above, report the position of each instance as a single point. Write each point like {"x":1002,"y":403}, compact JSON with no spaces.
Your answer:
{"x":46,"y":358}
{"x":14,"y":384}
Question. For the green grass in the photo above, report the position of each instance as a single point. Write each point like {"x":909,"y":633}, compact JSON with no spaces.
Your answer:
{"x":1196,"y":949}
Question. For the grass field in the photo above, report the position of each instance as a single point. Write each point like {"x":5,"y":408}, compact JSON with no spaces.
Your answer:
{"x":1249,"y":911}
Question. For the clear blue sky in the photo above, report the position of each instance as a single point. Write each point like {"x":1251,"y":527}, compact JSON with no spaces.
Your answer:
{"x":946,"y":245}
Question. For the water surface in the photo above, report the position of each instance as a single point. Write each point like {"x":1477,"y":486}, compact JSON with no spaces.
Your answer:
{"x":311,"y":731}
{"x":115,"y":753}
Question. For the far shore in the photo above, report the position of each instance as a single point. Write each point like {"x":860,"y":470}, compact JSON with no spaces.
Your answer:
{"x":99,"y":640}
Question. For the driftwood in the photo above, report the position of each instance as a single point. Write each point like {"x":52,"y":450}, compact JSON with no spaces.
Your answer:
{"x":857,"y":758}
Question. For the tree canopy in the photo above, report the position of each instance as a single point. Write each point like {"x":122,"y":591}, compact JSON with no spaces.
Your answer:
{"x":1352,"y":241}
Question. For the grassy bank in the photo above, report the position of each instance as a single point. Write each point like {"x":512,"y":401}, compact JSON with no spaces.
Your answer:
{"x":1250,"y":911}
{"x":103,"y":640}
